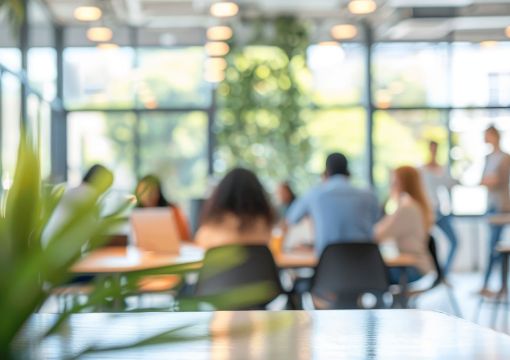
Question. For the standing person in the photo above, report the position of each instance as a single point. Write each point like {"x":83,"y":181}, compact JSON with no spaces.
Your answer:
{"x":409,"y":225}
{"x":149,"y":193}
{"x":495,"y":178}
{"x":438,"y":184}
{"x":339,"y":211}
{"x":238,"y":212}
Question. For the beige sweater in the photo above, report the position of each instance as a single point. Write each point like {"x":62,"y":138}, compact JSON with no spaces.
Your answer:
{"x":227,"y":232}
{"x":407,"y":229}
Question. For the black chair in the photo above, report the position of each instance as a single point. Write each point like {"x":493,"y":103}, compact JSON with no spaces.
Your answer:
{"x":440,"y":280}
{"x":235,"y":277}
{"x":346,"y":273}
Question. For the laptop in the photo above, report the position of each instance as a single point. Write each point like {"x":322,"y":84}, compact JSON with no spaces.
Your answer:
{"x":155,"y":229}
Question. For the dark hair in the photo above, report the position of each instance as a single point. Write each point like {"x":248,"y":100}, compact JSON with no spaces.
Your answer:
{"x":433,"y":143}
{"x":241,"y":194}
{"x":153,"y":181}
{"x":286,"y":186}
{"x":337,"y":164}
{"x":99,"y":178}
{"x":93,"y":171}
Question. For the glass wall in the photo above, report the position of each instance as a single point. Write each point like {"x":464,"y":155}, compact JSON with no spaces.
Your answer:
{"x":149,"y":137}
{"x":411,"y":74}
{"x":147,"y":110}
{"x":481,"y":74}
{"x":174,"y":147}
{"x":401,"y":138}
{"x":341,"y":130}
{"x":10,"y":106}
{"x":98,"y":78}
{"x":336,"y":74}
{"x":169,"y":78}
{"x":102,"y":137}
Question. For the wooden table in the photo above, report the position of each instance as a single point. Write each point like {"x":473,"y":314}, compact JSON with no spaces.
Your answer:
{"x":122,"y":260}
{"x":114,"y":262}
{"x":358,"y":334}
{"x":303,"y":259}
{"x":111,"y":260}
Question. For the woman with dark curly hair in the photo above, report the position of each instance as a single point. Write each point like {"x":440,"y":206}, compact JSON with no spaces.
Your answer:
{"x":238,"y":212}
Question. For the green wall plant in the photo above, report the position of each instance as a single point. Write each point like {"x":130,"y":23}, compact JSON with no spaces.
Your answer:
{"x":260,"y":123}
{"x":15,"y":10}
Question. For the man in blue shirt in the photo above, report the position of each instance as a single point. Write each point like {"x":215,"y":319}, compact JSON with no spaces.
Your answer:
{"x":340,"y":212}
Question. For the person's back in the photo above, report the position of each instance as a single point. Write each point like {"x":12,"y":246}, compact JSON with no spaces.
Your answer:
{"x":228,"y":231}
{"x":340,"y":212}
{"x":238,"y":212}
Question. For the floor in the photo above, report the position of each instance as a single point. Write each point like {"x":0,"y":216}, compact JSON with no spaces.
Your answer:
{"x":465,"y":287}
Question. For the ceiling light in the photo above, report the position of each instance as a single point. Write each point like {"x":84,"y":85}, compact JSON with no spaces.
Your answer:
{"x":87,"y":13}
{"x":99,"y":34}
{"x":216,"y":63}
{"x":224,"y":9}
{"x":328,"y":43}
{"x":107,"y":46}
{"x":488,"y":43}
{"x":217,"y":48}
{"x":344,"y":31}
{"x":219,"y":33}
{"x":507,"y":31}
{"x":362,"y":7}
{"x":214,"y":76}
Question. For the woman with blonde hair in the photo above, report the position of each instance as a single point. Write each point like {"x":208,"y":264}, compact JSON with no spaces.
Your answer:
{"x":410,"y":224}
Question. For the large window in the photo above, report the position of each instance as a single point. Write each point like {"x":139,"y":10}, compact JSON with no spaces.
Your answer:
{"x":10,"y":107}
{"x":481,"y":74}
{"x":172,"y":78}
{"x":42,"y":71}
{"x":98,"y":78}
{"x":104,"y":138}
{"x":411,"y":74}
{"x":341,"y":130}
{"x":173,"y":146}
{"x":10,"y":58}
{"x":336,"y":74}
{"x":401,"y":138}
{"x":164,"y":127}
{"x":170,"y":145}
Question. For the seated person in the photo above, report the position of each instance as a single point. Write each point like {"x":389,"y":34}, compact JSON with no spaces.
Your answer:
{"x":409,"y":225}
{"x":339,"y":211}
{"x":238,"y":212}
{"x":149,"y":194}
{"x":285,"y":197}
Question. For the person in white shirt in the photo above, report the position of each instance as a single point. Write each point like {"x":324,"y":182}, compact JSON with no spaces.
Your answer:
{"x":495,"y":178}
{"x":438,"y":184}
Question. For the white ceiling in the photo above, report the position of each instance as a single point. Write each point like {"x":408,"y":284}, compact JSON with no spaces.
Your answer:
{"x":185,"y":21}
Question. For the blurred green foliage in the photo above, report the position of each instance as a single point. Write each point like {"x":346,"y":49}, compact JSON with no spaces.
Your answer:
{"x":260,"y":122}
{"x":16,"y":10}
{"x":35,"y":255}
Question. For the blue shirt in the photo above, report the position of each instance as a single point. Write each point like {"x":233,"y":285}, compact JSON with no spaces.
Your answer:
{"x":340,"y":212}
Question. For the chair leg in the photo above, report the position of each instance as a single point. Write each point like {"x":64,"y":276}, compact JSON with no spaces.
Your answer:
{"x":507,"y":306}
{"x":479,"y":309}
{"x":453,"y":301}
{"x":495,"y":312}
